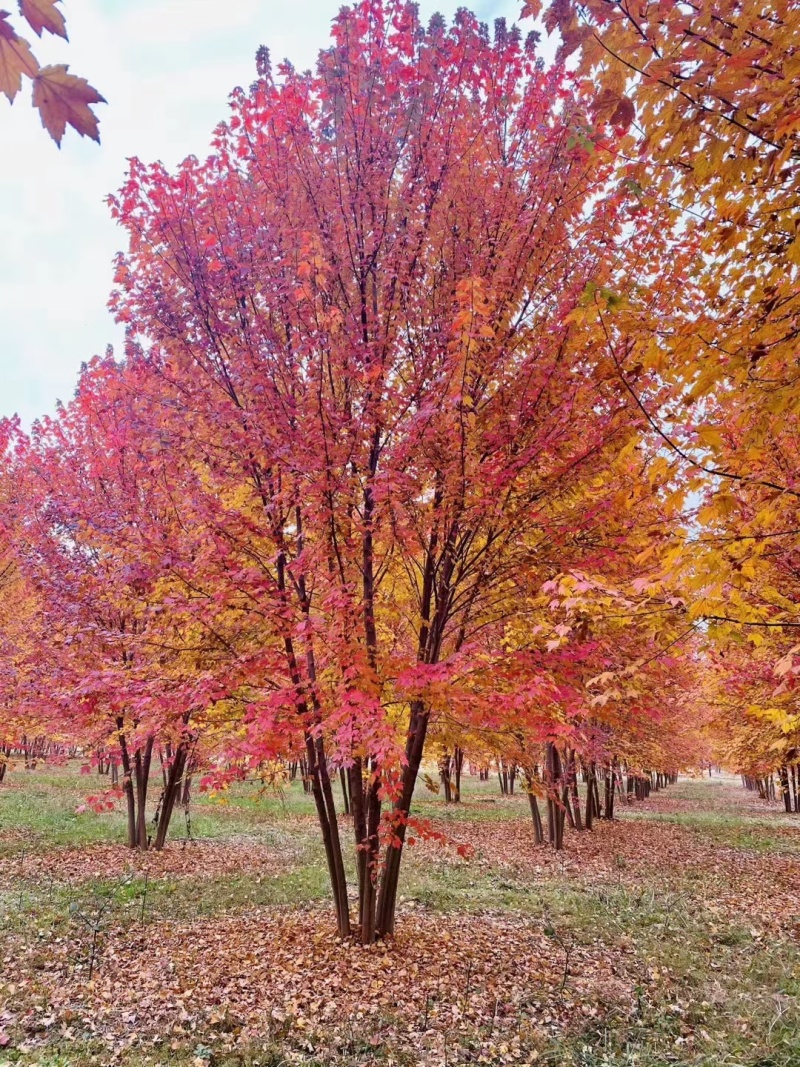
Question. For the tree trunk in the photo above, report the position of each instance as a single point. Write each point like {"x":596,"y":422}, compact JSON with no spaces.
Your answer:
{"x":608,"y":807}
{"x":592,"y":796}
{"x":444,"y":774}
{"x":589,"y":797}
{"x":415,"y":744}
{"x":142,"y":761}
{"x":127,"y":786}
{"x":458,"y":762}
{"x":358,"y":810}
{"x":164,"y":756}
{"x":784,"y":778}
{"x":572,"y":774}
{"x":366,"y":808}
{"x":566,"y":807}
{"x":320,"y":785}
{"x":555,"y":811}
{"x":369,"y":917}
{"x":186,"y":792}
{"x":538,"y":830}
{"x":170,"y":795}
{"x":345,"y":793}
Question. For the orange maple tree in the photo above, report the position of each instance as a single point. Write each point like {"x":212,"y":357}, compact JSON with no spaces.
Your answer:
{"x":713,"y":92}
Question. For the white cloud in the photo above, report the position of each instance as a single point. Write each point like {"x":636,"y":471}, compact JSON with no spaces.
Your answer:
{"x":166,"y":68}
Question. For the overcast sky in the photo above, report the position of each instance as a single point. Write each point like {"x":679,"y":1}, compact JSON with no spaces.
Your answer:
{"x":166,"y":68}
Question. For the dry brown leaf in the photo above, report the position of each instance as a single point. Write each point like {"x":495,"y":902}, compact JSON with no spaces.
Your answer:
{"x":63,"y":98}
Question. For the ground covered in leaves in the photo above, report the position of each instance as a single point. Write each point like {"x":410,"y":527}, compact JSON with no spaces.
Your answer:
{"x":671,"y":936}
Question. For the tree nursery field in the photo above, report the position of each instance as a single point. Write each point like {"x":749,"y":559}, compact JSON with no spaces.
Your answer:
{"x":667,"y":936}
{"x":399,"y":631}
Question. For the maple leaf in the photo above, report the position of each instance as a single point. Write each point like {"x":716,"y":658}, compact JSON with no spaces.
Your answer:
{"x":16,"y":59}
{"x":43,"y":15}
{"x":63,"y":98}
{"x":624,"y":113}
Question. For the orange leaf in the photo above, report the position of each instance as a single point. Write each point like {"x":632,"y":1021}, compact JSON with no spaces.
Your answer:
{"x":64,"y":98}
{"x":43,"y":15}
{"x":16,"y":59}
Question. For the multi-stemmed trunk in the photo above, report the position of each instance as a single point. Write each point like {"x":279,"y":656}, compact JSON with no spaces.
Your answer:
{"x":172,"y":789}
{"x":377,"y":898}
{"x":377,"y":901}
{"x":450,"y":768}
{"x":365,"y":806}
{"x":135,"y":780}
{"x":592,"y":795}
{"x":506,"y":773}
{"x":136,"y":768}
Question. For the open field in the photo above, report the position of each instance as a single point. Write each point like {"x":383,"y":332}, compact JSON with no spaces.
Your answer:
{"x":669,"y":937}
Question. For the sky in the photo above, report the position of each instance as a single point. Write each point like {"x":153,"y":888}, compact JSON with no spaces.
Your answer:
{"x":166,"y":68}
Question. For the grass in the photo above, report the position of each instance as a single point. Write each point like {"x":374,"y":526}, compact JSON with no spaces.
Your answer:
{"x":43,"y":811}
